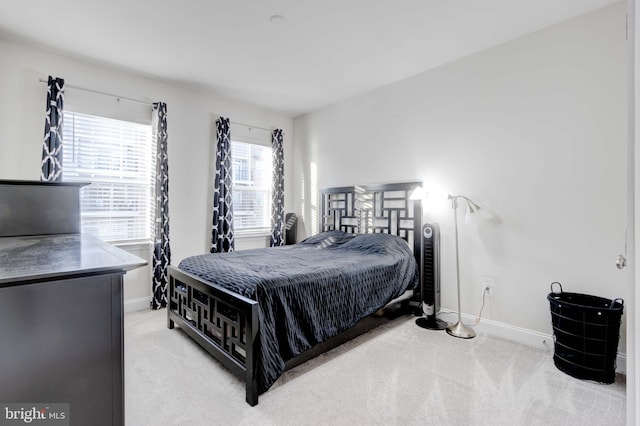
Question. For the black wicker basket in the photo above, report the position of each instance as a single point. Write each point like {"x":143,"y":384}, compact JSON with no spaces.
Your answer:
{"x":586,"y":330}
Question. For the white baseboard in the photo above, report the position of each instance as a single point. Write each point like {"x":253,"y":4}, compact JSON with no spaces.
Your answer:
{"x":519,"y":335}
{"x":140,"y":304}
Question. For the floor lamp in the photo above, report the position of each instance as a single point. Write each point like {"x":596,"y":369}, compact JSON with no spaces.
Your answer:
{"x":459,"y":329}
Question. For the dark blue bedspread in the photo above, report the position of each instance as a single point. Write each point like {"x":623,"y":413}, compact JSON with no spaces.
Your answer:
{"x":311,"y":291}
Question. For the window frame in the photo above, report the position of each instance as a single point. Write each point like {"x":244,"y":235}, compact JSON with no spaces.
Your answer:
{"x":267,"y":189}
{"x":149,"y":187}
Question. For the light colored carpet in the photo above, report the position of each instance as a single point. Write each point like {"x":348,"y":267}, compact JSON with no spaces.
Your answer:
{"x":397,"y":374}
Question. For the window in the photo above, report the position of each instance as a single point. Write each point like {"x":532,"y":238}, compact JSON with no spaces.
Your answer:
{"x":251,"y":174}
{"x":118,"y":158}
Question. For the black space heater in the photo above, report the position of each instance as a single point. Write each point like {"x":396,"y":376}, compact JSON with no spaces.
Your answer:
{"x":430,"y":277}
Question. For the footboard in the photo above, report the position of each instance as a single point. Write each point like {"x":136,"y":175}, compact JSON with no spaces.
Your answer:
{"x":222,"y":322}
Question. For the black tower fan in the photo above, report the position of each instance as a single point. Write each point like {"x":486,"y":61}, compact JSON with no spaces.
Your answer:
{"x":430,"y":277}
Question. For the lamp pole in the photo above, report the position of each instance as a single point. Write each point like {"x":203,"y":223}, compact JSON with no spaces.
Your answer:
{"x":458,"y":329}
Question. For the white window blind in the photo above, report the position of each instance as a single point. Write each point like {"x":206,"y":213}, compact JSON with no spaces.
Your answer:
{"x":251,"y":174}
{"x":118,"y":159}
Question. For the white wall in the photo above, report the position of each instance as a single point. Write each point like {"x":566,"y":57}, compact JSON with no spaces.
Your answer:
{"x":191,"y":129}
{"x":534,"y":130}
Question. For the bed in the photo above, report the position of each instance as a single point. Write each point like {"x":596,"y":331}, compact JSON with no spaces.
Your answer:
{"x":263,"y":311}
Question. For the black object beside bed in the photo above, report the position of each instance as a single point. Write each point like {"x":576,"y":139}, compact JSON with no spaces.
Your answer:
{"x":263,"y":311}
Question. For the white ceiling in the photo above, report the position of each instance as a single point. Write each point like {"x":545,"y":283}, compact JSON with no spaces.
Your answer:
{"x":319,"y":53}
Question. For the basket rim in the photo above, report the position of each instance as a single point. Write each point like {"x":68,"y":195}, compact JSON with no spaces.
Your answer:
{"x":614,"y":304}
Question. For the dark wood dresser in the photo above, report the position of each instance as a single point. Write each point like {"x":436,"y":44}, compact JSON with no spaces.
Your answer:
{"x":61,"y":306}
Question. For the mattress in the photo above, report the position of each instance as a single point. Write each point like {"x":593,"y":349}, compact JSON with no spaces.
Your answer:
{"x":310,"y":291}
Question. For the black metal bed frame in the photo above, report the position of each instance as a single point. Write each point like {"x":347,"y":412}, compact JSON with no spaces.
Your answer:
{"x":226,"y":324}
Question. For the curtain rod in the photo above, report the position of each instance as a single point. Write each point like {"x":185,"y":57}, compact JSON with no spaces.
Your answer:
{"x":251,"y":127}
{"x":117,"y":97}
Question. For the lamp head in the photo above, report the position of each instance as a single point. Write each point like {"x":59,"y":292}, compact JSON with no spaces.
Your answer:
{"x":418,"y":193}
{"x":474,"y":214}
{"x":472,"y":217}
{"x":433,"y":194}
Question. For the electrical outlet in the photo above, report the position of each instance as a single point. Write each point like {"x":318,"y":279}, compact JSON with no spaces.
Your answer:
{"x":488,"y":284}
{"x":490,"y":289}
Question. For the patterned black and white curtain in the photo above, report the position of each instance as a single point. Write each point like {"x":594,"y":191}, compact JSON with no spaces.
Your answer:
{"x":277,"y":190}
{"x":161,"y":248}
{"x":52,"y":144}
{"x":222,"y":232}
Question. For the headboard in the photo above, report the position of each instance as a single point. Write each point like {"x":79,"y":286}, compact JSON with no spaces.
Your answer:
{"x":373,"y":209}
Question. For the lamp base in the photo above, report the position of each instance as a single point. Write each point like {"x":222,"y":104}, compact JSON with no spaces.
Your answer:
{"x":460,"y":330}
{"x":431,"y":323}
